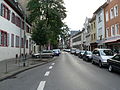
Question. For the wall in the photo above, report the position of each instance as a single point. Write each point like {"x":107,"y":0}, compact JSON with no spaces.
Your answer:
{"x":5,"y":25}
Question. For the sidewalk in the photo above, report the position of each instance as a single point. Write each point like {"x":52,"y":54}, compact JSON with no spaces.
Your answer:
{"x":12,"y":67}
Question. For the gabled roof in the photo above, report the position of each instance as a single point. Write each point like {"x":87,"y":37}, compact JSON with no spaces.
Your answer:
{"x":102,"y":6}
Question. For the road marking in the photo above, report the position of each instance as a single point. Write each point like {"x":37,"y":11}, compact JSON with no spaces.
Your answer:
{"x":53,"y":63}
{"x":50,"y":67}
{"x":41,"y":85}
{"x":47,"y":73}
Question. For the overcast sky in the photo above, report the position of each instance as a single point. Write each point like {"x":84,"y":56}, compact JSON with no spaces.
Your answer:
{"x":78,"y":10}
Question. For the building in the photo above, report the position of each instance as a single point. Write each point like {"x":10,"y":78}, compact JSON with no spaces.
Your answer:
{"x":77,"y":39}
{"x":93,"y":32}
{"x":15,"y":31}
{"x":112,"y":24}
{"x":86,"y":34}
{"x":100,"y":25}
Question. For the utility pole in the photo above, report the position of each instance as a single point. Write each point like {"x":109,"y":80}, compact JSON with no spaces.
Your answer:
{"x":24,"y":41}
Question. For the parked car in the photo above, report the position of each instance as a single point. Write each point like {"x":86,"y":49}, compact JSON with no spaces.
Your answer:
{"x":87,"y":56}
{"x":72,"y":51}
{"x":47,"y":54}
{"x":36,"y":55}
{"x":114,"y":63}
{"x":100,"y":56}
{"x":80,"y":55}
{"x":66,"y":50}
{"x":56,"y":52}
{"x":44,"y":53}
{"x":77,"y":51}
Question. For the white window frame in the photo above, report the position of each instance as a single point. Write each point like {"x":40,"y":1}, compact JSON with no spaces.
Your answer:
{"x":117,"y":29}
{"x":112,"y":14}
{"x":107,"y":32}
{"x":116,"y":10}
{"x":113,"y":34}
{"x":107,"y":16}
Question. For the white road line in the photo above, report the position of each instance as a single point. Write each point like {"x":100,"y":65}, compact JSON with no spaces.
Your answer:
{"x":50,"y":67}
{"x":47,"y":73}
{"x":41,"y":85}
{"x":53,"y":64}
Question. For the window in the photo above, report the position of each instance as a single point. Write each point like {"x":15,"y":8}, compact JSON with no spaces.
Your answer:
{"x":94,"y":25}
{"x":13,"y":18}
{"x":26,"y":43}
{"x":107,"y":16}
{"x":18,"y":21}
{"x":27,"y":29}
{"x":91,"y":36}
{"x":116,"y":10}
{"x":99,"y":19}
{"x":12,"y":40}
{"x":22,"y":42}
{"x":4,"y":38}
{"x":23,"y":25}
{"x":17,"y":41}
{"x":107,"y":32}
{"x":112,"y":30}
{"x":106,"y":52}
{"x":5,"y":12}
{"x":117,"y":57}
{"x":94,"y":36}
{"x":117,"y":28}
{"x":112,"y":15}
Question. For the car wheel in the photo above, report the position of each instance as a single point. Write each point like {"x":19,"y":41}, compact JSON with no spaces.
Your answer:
{"x":100,"y":64}
{"x":110,"y":69}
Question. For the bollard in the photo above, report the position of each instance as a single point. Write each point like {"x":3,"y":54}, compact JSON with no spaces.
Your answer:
{"x":16,"y":58}
{"x":6,"y":69}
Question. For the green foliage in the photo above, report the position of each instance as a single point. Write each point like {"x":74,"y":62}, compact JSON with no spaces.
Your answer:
{"x":47,"y":17}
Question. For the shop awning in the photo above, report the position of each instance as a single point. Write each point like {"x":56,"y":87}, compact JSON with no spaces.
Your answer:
{"x":112,"y":40}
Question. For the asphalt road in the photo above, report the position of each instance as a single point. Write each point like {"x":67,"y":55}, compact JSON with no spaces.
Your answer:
{"x":68,"y":72}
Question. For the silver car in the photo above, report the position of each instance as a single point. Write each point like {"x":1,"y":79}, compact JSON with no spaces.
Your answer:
{"x":101,"y":56}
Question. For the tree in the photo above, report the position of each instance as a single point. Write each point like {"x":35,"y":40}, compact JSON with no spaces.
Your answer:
{"x":47,"y":18}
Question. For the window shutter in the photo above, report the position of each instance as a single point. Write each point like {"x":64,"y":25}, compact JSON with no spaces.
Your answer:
{"x":8,"y":17}
{"x":0,"y":37}
{"x":7,"y":39}
{"x":1,"y":10}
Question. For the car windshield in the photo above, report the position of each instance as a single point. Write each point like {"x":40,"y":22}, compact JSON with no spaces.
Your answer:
{"x":89,"y":52}
{"x":47,"y":51}
{"x":117,"y":57}
{"x":82,"y":51}
{"x":107,"y":53}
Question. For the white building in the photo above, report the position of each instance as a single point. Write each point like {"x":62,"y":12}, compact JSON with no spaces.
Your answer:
{"x":77,"y":40}
{"x":12,"y":27}
{"x":87,"y":37}
{"x":100,"y":24}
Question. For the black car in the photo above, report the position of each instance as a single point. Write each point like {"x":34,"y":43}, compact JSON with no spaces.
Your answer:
{"x":114,"y":63}
{"x":87,"y":56}
{"x":80,"y":55}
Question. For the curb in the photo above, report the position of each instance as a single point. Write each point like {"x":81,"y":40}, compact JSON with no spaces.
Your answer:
{"x":22,"y":70}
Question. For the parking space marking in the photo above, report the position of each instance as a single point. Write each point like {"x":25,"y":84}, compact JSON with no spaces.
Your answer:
{"x":41,"y":85}
{"x":47,"y":73}
{"x":50,"y":67}
{"x":53,"y":64}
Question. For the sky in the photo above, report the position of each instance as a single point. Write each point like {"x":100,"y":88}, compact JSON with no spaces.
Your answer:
{"x":78,"y":10}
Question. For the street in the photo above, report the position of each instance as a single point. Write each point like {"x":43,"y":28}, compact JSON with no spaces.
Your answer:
{"x":67,"y":72}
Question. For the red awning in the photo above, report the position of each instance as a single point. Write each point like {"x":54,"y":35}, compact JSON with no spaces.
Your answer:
{"x":113,"y":40}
